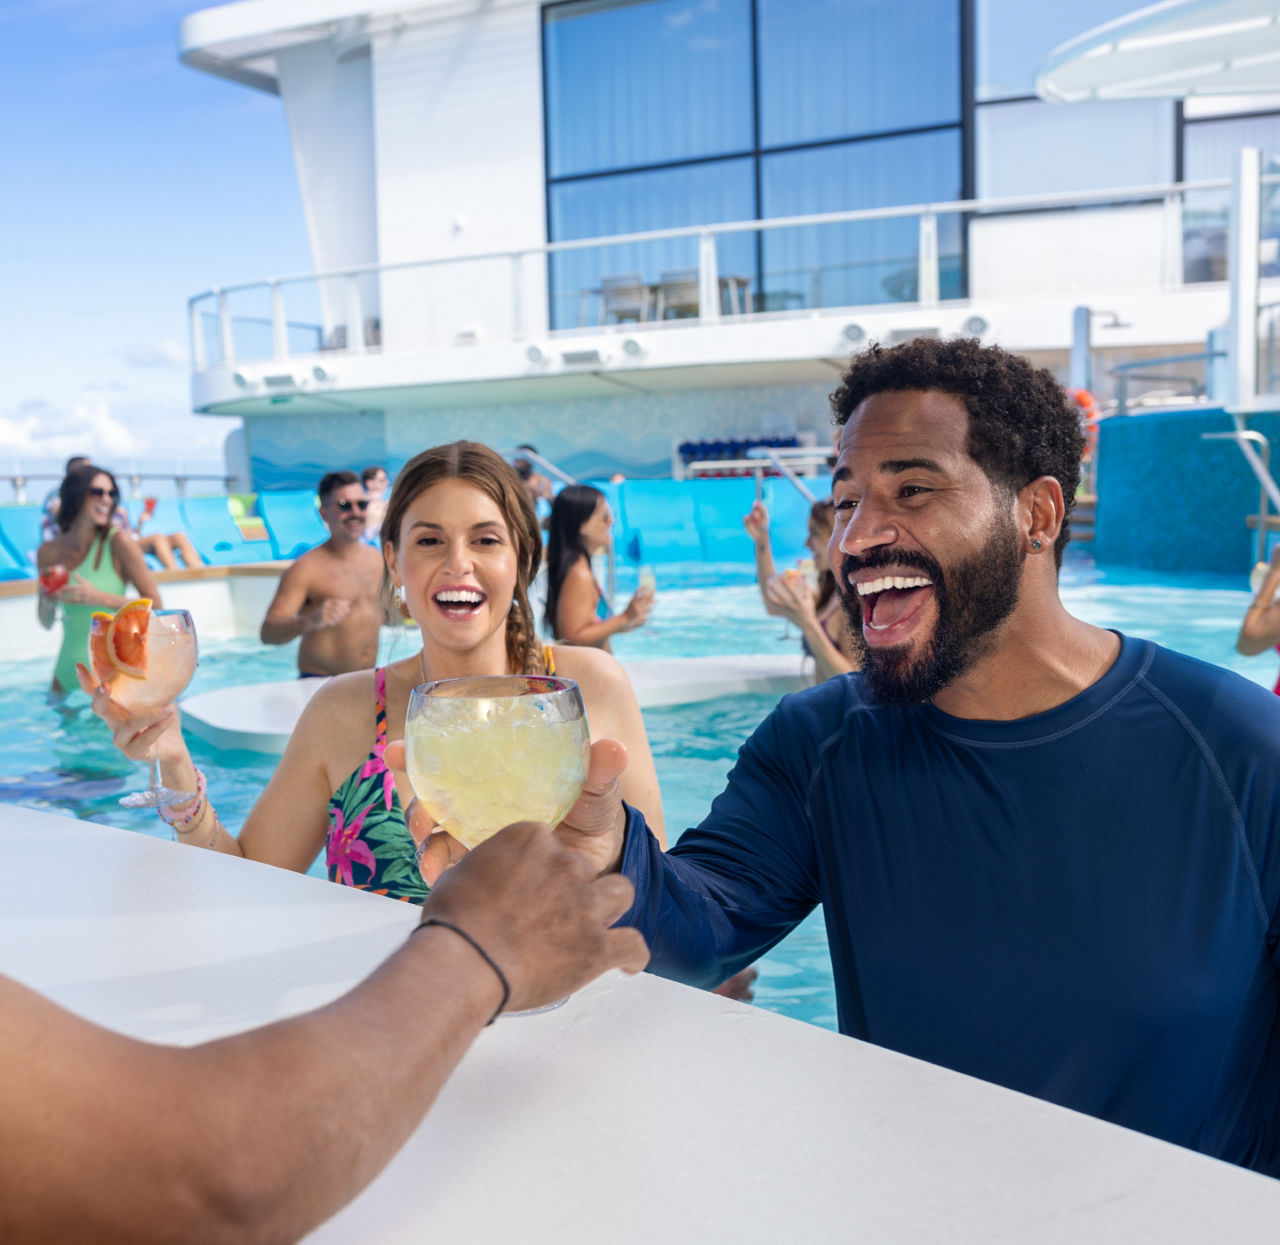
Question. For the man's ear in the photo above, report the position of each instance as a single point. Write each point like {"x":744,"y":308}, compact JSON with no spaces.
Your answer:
{"x":1041,"y":511}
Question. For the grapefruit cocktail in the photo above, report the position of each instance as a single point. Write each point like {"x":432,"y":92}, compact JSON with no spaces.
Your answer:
{"x":143,"y":659}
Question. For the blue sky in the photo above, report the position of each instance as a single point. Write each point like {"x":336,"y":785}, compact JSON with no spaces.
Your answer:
{"x":130,"y":183}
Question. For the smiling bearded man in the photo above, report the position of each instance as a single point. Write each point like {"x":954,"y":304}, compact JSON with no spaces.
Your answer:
{"x":1047,"y":854}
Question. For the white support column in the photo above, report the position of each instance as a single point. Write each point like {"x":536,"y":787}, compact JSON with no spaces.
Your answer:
{"x":928,"y":288}
{"x":1171,"y":251}
{"x":224,"y":331}
{"x":517,"y":296}
{"x":1242,"y":274}
{"x":708,"y":280}
{"x":279,"y":329}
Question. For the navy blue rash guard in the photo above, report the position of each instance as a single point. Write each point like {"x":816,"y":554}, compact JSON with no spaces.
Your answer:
{"x":1083,"y":905}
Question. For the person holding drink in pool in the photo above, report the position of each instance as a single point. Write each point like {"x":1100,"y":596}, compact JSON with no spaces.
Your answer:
{"x":814,"y":609}
{"x":581,"y":526}
{"x":460,"y":546}
{"x":87,"y":565}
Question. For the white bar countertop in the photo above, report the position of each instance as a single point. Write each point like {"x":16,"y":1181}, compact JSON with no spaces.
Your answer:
{"x":641,"y":1111}
{"x":260,"y":717}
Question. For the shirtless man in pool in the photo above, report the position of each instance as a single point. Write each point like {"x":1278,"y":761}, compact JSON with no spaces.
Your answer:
{"x":329,"y":596}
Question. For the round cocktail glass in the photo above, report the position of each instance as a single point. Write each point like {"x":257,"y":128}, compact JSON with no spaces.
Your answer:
{"x":170,"y":662}
{"x":483,"y":752}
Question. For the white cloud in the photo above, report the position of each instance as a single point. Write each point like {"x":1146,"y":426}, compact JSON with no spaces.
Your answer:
{"x":39,"y":429}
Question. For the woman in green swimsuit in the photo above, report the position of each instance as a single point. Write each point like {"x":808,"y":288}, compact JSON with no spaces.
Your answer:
{"x":461,"y":545}
{"x":101,"y":559}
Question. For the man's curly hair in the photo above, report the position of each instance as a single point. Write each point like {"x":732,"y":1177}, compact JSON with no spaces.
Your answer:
{"x":1022,"y":424}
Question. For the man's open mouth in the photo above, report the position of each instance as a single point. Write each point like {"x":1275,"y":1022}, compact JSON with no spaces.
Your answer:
{"x":892,"y":603}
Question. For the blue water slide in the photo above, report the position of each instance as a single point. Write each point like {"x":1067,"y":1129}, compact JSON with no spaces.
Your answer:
{"x":20,"y":531}
{"x":660,"y":523}
{"x":292,"y":521}
{"x":216,"y":535}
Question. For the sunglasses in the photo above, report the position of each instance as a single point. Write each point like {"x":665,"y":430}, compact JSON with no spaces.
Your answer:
{"x":347,"y":506}
{"x":104,"y":492}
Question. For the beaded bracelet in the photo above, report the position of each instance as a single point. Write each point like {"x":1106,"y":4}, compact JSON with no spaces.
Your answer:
{"x":180,"y":823}
{"x":484,"y":955}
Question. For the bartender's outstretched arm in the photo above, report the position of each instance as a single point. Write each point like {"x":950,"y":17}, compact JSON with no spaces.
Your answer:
{"x":262,"y":1136}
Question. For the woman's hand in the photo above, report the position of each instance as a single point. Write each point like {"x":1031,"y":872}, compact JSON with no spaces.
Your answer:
{"x":81,"y":592}
{"x":638,"y":609}
{"x":140,"y":736}
{"x":756,"y":521}
{"x":790,"y":595}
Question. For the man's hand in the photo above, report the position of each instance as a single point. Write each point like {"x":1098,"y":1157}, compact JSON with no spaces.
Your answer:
{"x":593,"y":827}
{"x":329,"y":613}
{"x":541,"y":912}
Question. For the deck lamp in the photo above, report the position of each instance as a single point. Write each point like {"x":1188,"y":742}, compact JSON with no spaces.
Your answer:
{"x":853,"y":332}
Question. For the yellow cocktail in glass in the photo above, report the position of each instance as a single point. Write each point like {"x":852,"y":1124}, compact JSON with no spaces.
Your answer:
{"x":484,"y":752}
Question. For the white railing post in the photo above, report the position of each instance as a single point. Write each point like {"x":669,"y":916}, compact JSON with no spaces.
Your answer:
{"x":708,"y":279}
{"x":279,"y":329}
{"x":517,"y":296}
{"x":199,"y":355}
{"x":355,"y":315}
{"x":224,"y":330}
{"x":1173,"y":260}
{"x":927,"y":288}
{"x":1242,"y":273}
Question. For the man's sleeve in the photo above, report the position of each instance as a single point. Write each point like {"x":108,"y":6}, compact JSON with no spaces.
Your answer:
{"x":741,"y":881}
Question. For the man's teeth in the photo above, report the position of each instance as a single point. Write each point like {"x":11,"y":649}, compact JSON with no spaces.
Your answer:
{"x":885,"y":582}
{"x":459,"y":597}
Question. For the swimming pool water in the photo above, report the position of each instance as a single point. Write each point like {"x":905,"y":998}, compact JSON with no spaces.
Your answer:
{"x":60,"y":758}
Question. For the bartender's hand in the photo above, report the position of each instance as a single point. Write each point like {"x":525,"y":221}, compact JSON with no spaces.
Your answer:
{"x":593,"y":827}
{"x":541,"y":912}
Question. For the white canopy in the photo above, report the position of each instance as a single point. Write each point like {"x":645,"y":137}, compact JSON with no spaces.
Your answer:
{"x":1176,"y":48}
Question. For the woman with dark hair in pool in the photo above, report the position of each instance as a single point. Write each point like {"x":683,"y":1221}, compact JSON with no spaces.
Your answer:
{"x":576,"y":612}
{"x":461,"y":545}
{"x":815,"y":610}
{"x":87,"y":565}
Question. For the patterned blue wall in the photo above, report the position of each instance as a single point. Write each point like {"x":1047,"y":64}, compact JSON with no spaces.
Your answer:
{"x":1169,"y":500}
{"x":633,"y":433}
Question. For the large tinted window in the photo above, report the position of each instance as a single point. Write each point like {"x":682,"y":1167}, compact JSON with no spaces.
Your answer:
{"x":585,"y":281}
{"x":646,"y":82}
{"x":832,"y":69}
{"x":1031,"y":147}
{"x":862,"y":261}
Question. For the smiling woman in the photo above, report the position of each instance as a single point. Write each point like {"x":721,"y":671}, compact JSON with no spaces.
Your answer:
{"x":461,"y":547}
{"x":87,"y":565}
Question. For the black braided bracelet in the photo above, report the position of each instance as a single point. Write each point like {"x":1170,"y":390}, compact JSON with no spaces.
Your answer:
{"x":484,"y":955}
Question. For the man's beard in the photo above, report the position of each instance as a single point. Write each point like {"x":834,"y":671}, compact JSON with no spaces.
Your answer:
{"x":973,"y":598}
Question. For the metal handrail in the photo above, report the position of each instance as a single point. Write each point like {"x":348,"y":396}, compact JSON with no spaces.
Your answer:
{"x":1245,"y":438}
{"x":1125,"y":372}
{"x":927,"y":258}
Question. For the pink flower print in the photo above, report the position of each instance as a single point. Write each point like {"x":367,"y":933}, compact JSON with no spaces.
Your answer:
{"x":345,"y":846}
{"x":374,"y":766}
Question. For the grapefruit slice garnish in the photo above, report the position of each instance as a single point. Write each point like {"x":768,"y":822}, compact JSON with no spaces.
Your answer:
{"x":126,"y":638}
{"x":103,"y":670}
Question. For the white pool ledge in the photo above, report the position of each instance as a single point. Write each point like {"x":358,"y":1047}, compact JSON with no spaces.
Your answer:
{"x":260,"y":717}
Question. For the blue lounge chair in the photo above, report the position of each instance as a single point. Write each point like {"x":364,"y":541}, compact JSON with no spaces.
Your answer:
{"x":292,"y":521}
{"x":20,"y":531}
{"x":216,"y":535}
{"x":11,"y":567}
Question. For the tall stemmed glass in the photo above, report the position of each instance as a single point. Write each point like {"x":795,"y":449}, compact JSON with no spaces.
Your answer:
{"x":144,"y":658}
{"x":485,"y":751}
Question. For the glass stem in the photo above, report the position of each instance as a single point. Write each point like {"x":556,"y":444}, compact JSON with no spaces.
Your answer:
{"x":155,"y":773}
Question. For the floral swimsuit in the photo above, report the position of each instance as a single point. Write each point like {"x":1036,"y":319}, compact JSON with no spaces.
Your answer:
{"x":369,"y":845}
